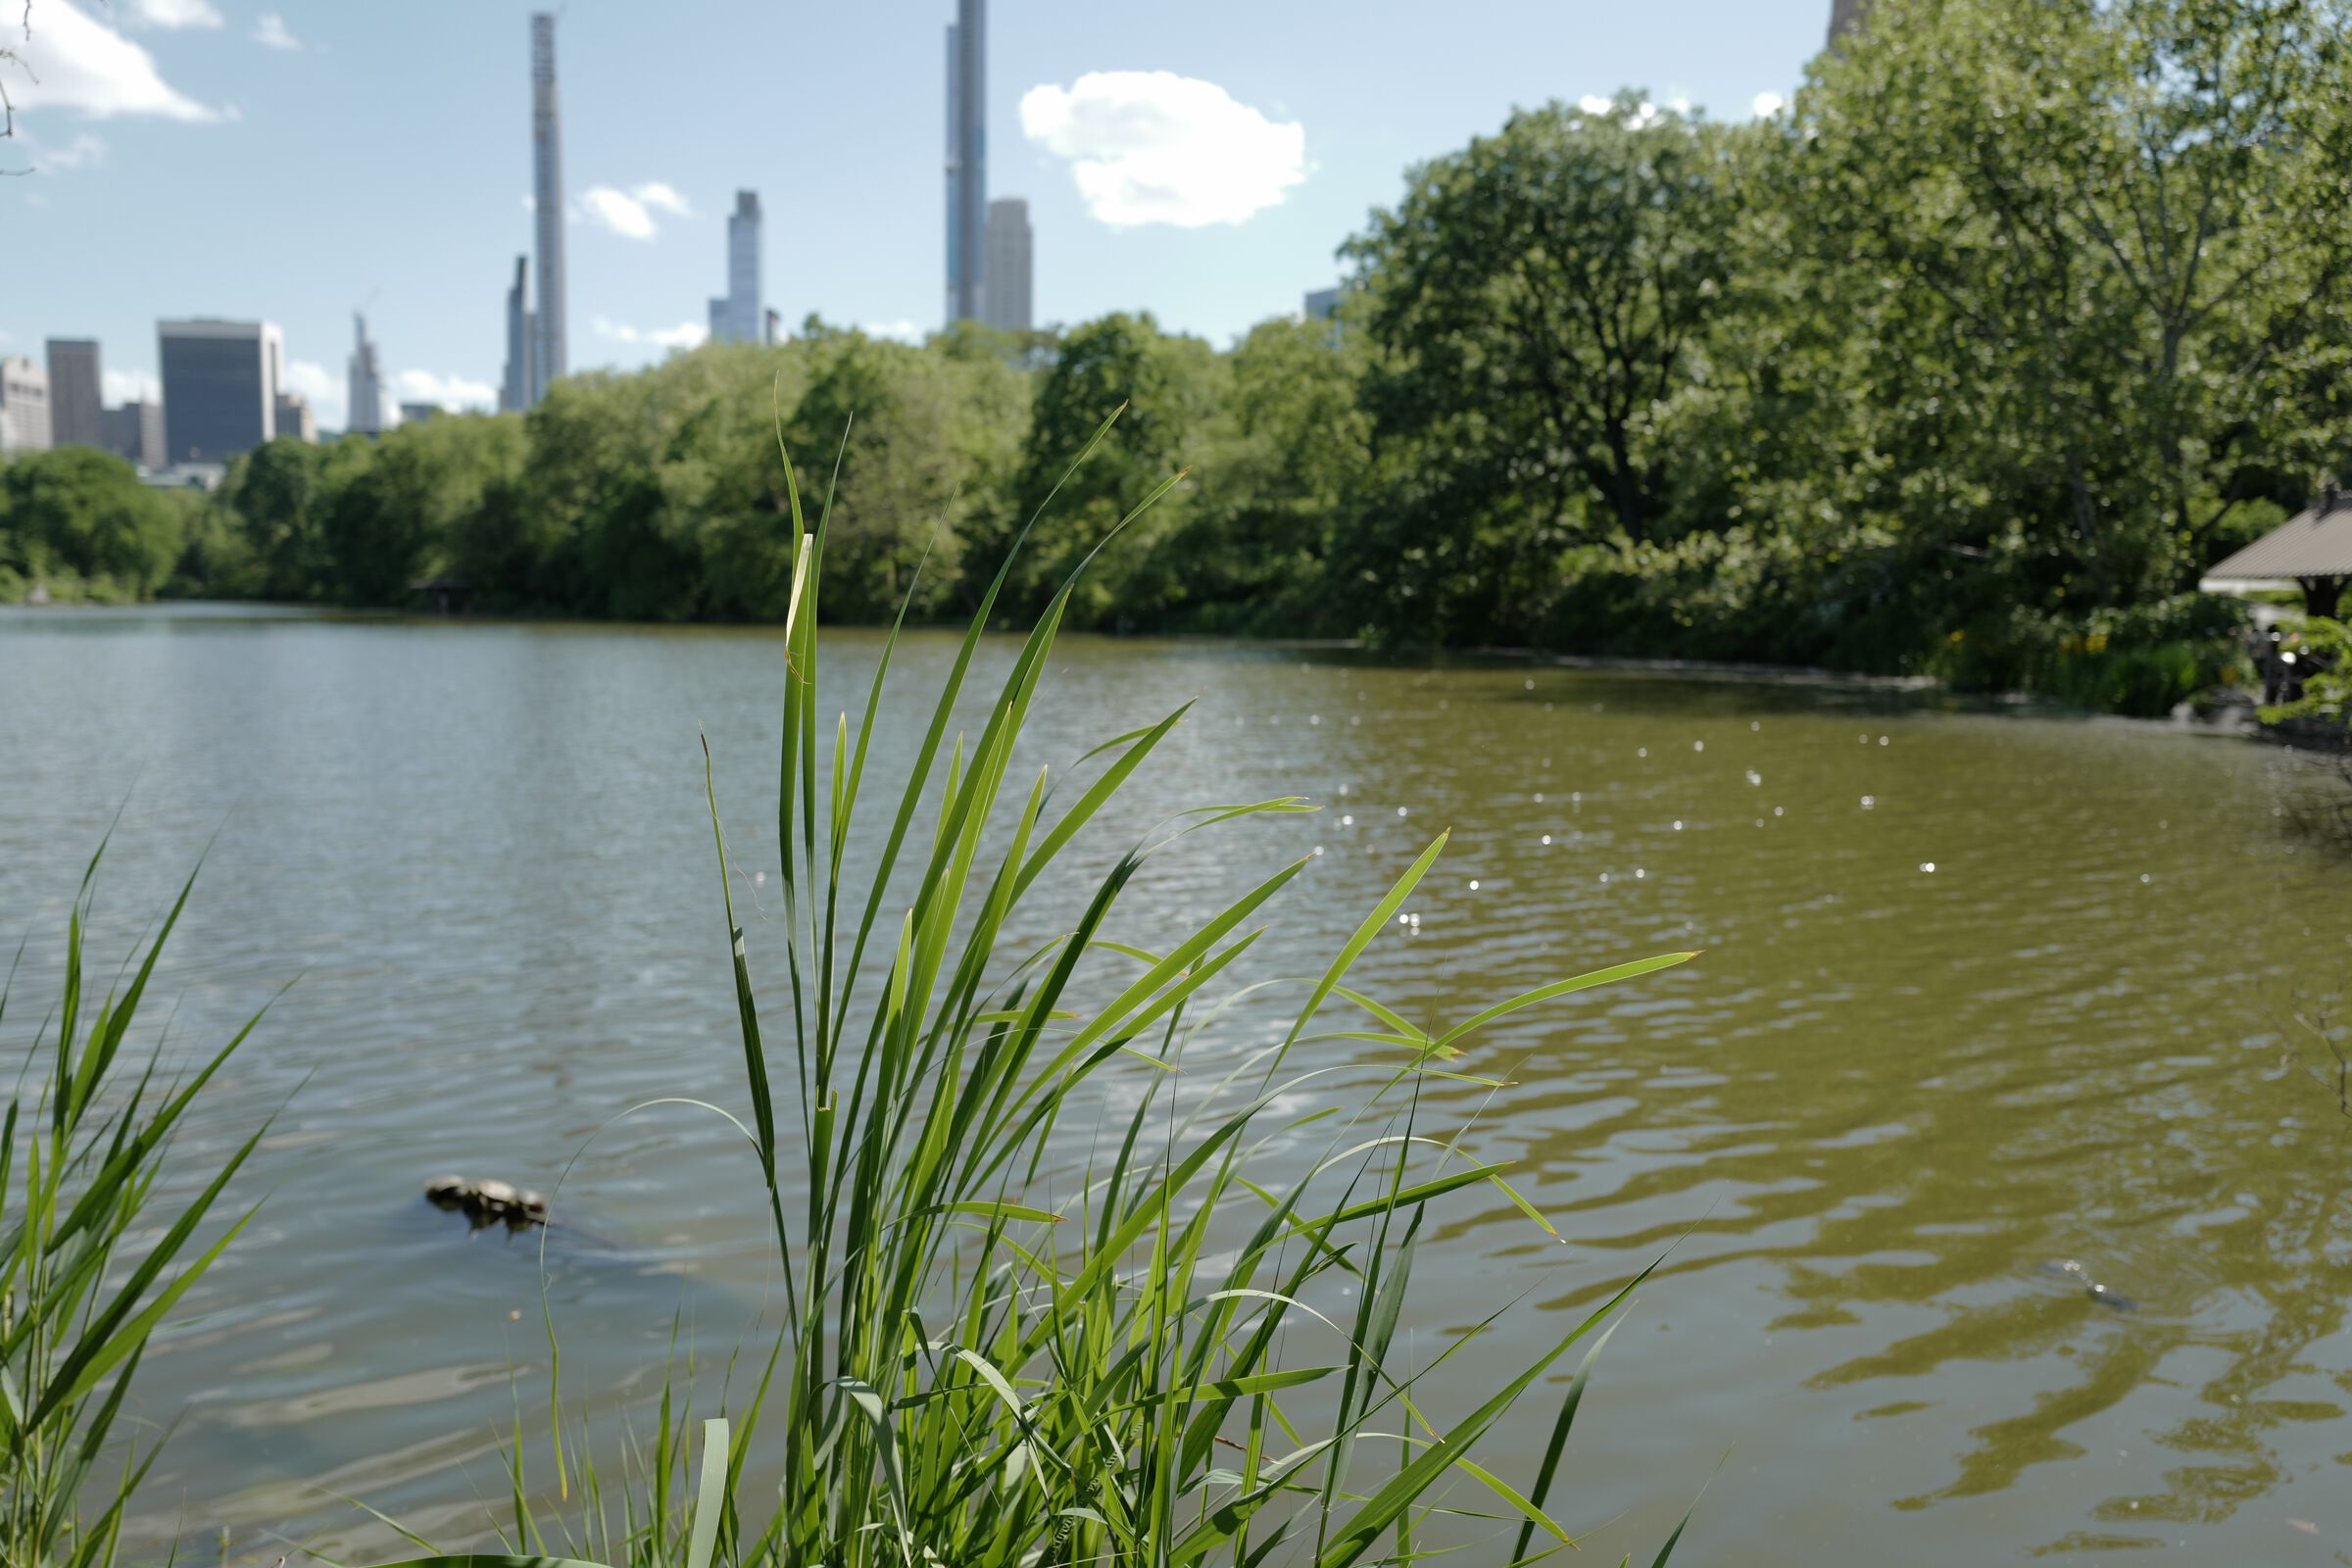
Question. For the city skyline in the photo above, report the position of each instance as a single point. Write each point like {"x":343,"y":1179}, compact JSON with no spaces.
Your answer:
{"x":641,"y":223}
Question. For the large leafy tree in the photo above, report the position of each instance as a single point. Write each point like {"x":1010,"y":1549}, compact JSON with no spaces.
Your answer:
{"x":1533,"y":303}
{"x":2089,"y":255}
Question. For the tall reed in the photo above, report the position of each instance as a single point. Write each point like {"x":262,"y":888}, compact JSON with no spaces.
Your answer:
{"x":972,"y":1372}
{"x":80,"y":1161}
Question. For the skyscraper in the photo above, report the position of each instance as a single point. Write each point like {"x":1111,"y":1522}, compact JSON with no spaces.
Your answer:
{"x":24,"y":406}
{"x":295,"y":420}
{"x":736,"y":319}
{"x":1004,"y":299}
{"x":548,"y":355}
{"x":74,"y":397}
{"x":1321,"y":303}
{"x":365,"y":384}
{"x":1845,"y":17}
{"x":517,"y":391}
{"x":135,"y":432}
{"x":219,"y":387}
{"x":967,"y":156}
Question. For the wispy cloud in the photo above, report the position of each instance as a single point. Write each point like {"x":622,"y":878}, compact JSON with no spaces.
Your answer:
{"x":178,"y":14}
{"x":76,"y":63}
{"x":328,"y":394}
{"x":130,"y":386}
{"x":630,"y":213}
{"x":684,"y":335}
{"x":85,"y":151}
{"x":1152,"y":147}
{"x":270,"y":32}
{"x":444,"y":391}
{"x":1767,"y":104}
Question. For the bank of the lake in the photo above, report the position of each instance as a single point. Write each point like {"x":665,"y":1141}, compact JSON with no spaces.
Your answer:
{"x":1983,"y":990}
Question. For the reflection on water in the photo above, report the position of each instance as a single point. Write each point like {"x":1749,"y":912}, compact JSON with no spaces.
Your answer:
{"x":1982,"y":993}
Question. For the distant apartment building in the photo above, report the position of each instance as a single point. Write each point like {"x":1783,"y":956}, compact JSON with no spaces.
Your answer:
{"x":73,"y":392}
{"x":736,"y":319}
{"x":365,"y":385}
{"x":517,"y":390}
{"x":295,"y":418}
{"x":1004,"y":267}
{"x":220,"y":381}
{"x":1322,"y":303}
{"x":24,"y":406}
{"x":418,"y":413}
{"x":135,"y":432}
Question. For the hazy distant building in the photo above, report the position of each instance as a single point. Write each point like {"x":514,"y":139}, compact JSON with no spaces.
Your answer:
{"x":24,"y":406}
{"x":1322,"y":303}
{"x":549,"y":353}
{"x":771,"y":329}
{"x":967,"y":156}
{"x":418,"y":413}
{"x":516,"y":390}
{"x":366,"y":383}
{"x":135,"y":432}
{"x":221,"y":383}
{"x":737,"y":318}
{"x":74,"y":400}
{"x":1845,"y":17}
{"x":295,"y":418}
{"x":1005,"y":273}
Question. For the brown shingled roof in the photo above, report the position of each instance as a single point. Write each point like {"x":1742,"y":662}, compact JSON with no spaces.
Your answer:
{"x":2315,"y":543}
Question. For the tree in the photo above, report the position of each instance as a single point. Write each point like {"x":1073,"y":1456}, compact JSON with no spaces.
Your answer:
{"x":2090,"y":257}
{"x":84,"y":513}
{"x":1532,"y":302}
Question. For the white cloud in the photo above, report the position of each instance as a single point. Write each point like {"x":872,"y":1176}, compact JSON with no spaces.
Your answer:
{"x":75,"y":62}
{"x":628,"y":212}
{"x":1152,"y":147}
{"x":328,"y":394}
{"x":684,"y":335}
{"x":899,"y":332}
{"x":448,"y":391}
{"x":130,"y":386}
{"x":618,"y":212}
{"x":1767,"y":104}
{"x":270,"y":32}
{"x":1595,"y":104}
{"x":178,"y":12}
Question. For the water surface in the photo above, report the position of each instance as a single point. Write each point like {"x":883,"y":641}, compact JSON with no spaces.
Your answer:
{"x":1983,"y":991}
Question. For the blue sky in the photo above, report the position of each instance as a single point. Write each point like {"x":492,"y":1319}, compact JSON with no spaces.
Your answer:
{"x":1202,"y":161}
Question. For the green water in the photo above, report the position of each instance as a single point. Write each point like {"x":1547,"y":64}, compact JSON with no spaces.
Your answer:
{"x":1868,"y":1122}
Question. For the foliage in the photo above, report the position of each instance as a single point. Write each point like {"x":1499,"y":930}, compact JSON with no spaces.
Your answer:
{"x":78,"y":1167}
{"x":991,"y":1356}
{"x":79,"y":522}
{"x":2024,"y":315}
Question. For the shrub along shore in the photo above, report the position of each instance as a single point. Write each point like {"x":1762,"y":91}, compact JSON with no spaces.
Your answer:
{"x":1964,"y":364}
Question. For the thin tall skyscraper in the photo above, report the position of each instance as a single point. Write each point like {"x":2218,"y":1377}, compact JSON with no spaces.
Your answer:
{"x":366,"y":382}
{"x":549,"y":356}
{"x":1845,"y":17}
{"x":73,"y":392}
{"x":1004,"y":302}
{"x":967,"y":156}
{"x":736,"y":317}
{"x":517,"y":391}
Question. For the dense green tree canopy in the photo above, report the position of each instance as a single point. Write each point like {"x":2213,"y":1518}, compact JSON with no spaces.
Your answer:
{"x":1971,"y":361}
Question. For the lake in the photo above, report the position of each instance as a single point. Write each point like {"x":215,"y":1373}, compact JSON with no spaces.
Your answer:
{"x":1984,"y":990}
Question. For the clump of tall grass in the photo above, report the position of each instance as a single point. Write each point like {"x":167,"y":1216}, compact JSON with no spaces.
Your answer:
{"x":82,"y":1268}
{"x":1175,"y":1361}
